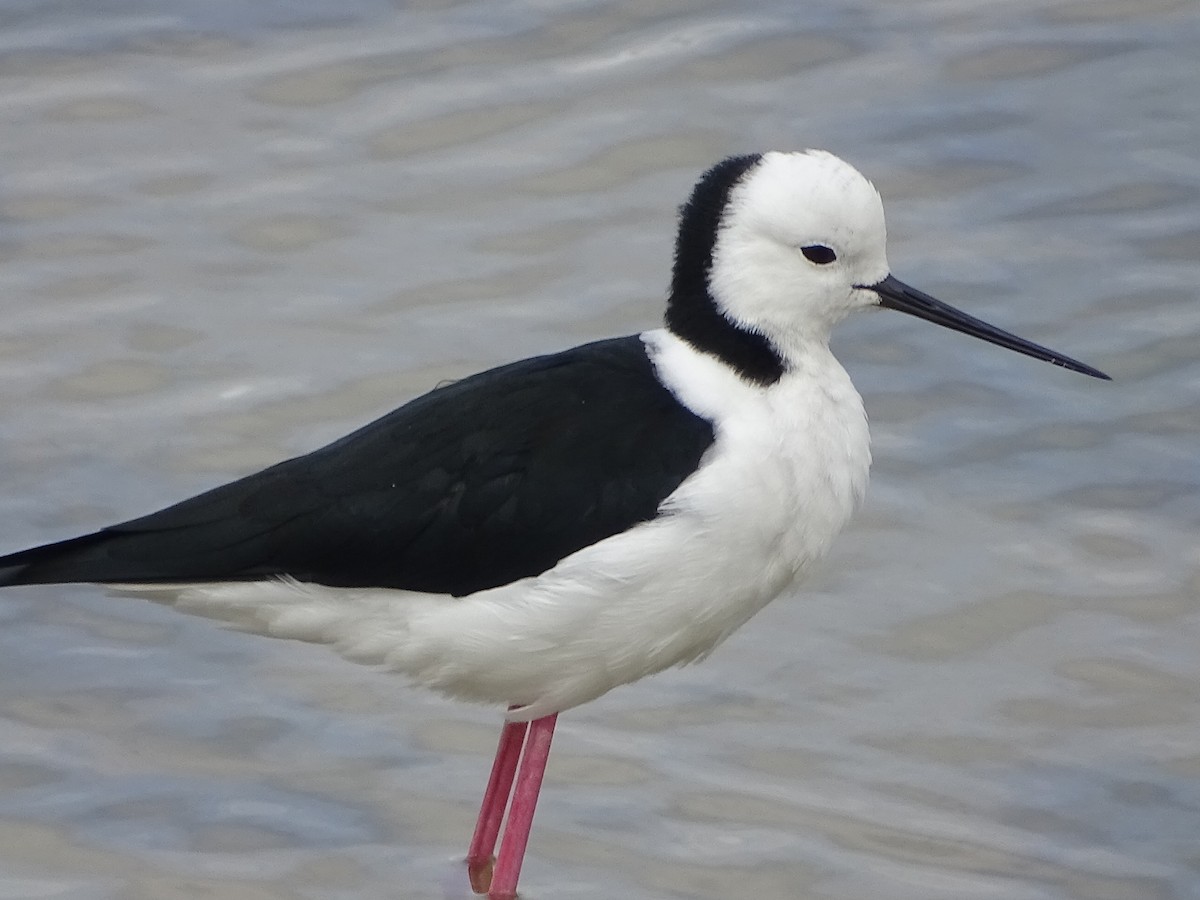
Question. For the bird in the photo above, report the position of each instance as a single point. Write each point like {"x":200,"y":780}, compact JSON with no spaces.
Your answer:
{"x":537,"y":534}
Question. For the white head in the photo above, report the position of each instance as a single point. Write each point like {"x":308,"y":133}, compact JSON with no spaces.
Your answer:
{"x":775,"y":249}
{"x":800,"y":231}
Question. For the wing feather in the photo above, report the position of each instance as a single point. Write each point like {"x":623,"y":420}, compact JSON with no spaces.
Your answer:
{"x":473,"y":485}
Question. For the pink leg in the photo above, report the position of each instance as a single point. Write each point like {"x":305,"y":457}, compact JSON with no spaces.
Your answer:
{"x":495,"y":801}
{"x":524,"y":801}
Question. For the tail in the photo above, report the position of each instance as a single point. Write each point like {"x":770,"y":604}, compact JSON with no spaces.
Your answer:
{"x":59,"y":563}
{"x":215,"y":536}
{"x":103,"y":557}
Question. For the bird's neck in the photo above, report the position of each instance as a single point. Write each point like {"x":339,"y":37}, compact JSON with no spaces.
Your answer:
{"x":693,"y":316}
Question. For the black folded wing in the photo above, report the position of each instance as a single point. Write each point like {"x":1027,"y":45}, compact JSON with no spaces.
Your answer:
{"x":473,"y":485}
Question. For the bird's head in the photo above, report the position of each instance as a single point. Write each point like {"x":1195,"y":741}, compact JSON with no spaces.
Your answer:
{"x":774,"y":249}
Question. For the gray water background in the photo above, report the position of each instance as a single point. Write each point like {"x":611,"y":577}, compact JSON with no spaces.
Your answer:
{"x":230,"y":232}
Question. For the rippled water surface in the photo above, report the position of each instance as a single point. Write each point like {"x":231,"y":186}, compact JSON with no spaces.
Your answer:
{"x":231,"y":231}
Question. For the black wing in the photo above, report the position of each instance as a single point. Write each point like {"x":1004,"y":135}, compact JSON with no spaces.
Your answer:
{"x":473,"y":485}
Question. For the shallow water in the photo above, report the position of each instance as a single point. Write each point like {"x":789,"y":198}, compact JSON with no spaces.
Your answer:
{"x":231,"y":232}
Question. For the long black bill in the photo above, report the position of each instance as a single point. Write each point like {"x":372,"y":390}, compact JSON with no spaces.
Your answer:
{"x":895,"y":294}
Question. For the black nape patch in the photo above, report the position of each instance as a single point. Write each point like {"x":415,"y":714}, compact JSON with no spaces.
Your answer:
{"x":692,"y":312}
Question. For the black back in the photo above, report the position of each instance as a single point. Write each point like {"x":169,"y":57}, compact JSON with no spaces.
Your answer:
{"x":471,"y":486}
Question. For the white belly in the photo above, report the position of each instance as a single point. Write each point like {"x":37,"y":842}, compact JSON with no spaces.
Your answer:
{"x":787,"y":468}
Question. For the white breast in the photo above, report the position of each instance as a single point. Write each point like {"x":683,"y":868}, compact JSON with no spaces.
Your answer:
{"x":786,"y":470}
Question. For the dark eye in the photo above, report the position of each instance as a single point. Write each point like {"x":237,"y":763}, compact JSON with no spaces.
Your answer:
{"x":819,"y":254}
